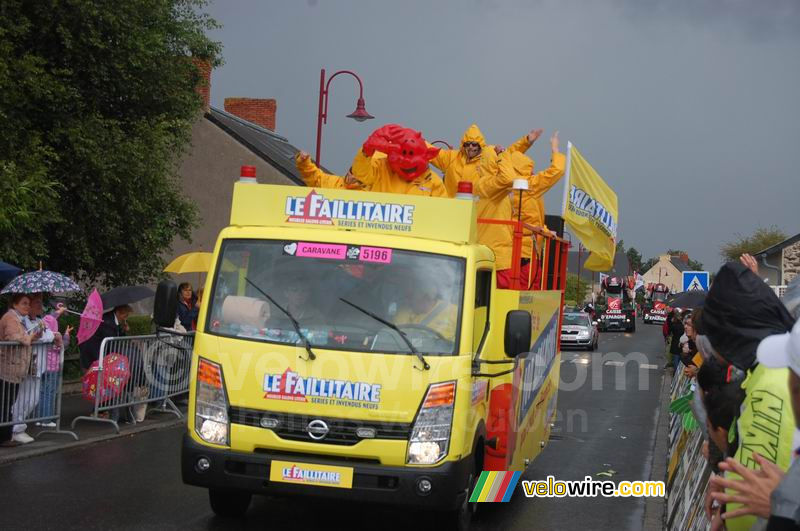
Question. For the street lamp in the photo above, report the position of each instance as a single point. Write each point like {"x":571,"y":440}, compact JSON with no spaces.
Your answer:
{"x":441,"y":142}
{"x":359,"y":115}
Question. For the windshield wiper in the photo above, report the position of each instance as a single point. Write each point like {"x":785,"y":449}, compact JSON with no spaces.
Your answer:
{"x":294,"y":322}
{"x":393,"y":327}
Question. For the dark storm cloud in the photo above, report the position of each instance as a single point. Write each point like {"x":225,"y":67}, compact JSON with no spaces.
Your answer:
{"x":688,"y":108}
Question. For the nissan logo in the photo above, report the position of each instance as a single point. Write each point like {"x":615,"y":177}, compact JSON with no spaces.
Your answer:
{"x":317,"y":429}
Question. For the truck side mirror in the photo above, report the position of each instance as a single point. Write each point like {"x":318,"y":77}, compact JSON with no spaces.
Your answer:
{"x":165,"y":307}
{"x":518,"y":333}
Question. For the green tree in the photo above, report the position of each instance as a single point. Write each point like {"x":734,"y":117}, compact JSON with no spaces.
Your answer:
{"x":648,"y":265}
{"x":97,"y":100}
{"x":635,"y":259}
{"x":759,"y":240}
{"x":576,"y":291}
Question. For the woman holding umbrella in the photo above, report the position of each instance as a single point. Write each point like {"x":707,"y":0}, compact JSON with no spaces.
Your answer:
{"x":188,"y":306}
{"x":14,"y":363}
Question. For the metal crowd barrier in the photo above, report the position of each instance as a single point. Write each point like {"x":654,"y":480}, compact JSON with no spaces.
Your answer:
{"x":37,"y":398}
{"x":688,"y":471}
{"x":135,"y":371}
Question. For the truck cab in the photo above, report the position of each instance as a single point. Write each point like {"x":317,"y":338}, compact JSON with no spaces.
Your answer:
{"x":354,"y":345}
{"x":655,"y":305}
{"x":615,"y":309}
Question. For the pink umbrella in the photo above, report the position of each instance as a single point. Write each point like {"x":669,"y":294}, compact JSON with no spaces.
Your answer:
{"x":116,"y":372}
{"x":91,"y":317}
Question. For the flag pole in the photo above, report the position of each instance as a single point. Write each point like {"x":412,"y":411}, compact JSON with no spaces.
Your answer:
{"x":566,"y":179}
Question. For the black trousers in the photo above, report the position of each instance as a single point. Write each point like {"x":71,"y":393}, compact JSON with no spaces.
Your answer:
{"x":8,"y":394}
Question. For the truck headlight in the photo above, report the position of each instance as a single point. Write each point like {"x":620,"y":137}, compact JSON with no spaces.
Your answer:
{"x":211,"y":404}
{"x":430,"y":436}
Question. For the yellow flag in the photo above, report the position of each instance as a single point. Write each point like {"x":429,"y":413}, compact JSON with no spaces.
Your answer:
{"x":590,"y":209}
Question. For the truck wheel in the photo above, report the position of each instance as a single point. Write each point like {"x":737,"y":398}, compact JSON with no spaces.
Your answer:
{"x":229,"y":503}
{"x":460,"y":519}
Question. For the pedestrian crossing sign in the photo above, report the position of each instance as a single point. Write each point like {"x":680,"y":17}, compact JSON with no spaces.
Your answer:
{"x":695,"y":281}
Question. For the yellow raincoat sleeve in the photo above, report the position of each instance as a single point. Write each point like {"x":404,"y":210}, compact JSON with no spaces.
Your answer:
{"x":315,"y":177}
{"x":541,"y":182}
{"x":367,"y":169}
{"x":444,"y":158}
{"x":522,"y":144}
{"x":496,"y":177}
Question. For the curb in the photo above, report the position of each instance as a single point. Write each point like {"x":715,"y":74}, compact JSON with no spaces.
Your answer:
{"x":655,"y":508}
{"x":37,"y":452}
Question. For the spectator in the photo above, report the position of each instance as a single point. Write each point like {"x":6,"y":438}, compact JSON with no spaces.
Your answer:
{"x":721,"y":399}
{"x":52,"y":375}
{"x":115,"y":324}
{"x":739,"y":311}
{"x":689,"y":356}
{"x":14,"y":363}
{"x":29,"y":389}
{"x":675,"y":331}
{"x":768,"y":492}
{"x":187,"y":306}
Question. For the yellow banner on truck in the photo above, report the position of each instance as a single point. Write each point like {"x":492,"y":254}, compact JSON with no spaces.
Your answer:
{"x":591,"y":211}
{"x":398,"y":214}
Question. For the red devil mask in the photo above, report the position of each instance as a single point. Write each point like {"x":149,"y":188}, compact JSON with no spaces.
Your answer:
{"x":409,"y":155}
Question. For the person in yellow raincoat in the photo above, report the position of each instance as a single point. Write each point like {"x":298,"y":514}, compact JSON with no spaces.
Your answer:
{"x":425,"y":306}
{"x":313,"y":176}
{"x":462,"y":164}
{"x":404,"y":169}
{"x":533,"y":199}
{"x":492,"y":188}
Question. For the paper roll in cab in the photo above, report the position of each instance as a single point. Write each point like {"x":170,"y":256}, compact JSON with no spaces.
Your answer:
{"x":245,"y":311}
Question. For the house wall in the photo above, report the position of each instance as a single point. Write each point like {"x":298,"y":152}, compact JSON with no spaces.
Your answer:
{"x":791,"y":262}
{"x":666,"y":273}
{"x":207,"y":172}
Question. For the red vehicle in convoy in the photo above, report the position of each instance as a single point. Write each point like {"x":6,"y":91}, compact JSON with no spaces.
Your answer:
{"x":615,"y":308}
{"x":655,"y":307}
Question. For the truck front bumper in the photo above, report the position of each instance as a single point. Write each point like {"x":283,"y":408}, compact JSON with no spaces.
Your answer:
{"x":374,"y":483}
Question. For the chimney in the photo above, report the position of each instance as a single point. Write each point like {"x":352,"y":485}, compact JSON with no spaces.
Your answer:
{"x":684,"y":258}
{"x":256,"y":110}
{"x":204,"y":86}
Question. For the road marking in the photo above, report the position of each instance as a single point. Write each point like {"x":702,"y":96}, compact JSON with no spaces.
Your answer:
{"x":621,"y":363}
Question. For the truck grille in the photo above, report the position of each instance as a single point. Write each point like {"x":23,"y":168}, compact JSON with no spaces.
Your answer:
{"x":342,"y":431}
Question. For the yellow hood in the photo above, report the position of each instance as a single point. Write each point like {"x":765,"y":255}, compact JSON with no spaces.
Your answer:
{"x":473,"y":134}
{"x":523,"y":164}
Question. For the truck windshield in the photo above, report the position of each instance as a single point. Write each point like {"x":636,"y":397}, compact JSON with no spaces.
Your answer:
{"x":659,"y":296}
{"x":614,"y":290}
{"x":421,"y":293}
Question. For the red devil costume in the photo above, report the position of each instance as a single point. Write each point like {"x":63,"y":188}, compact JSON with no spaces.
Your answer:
{"x":404,"y":168}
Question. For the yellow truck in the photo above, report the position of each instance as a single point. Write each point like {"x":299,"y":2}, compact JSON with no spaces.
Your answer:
{"x":353,"y":345}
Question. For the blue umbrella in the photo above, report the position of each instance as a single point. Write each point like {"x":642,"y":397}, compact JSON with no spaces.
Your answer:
{"x":41,"y":281}
{"x":7,"y":272}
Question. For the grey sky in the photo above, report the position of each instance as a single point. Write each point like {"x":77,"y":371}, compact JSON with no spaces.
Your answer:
{"x":688,"y":108}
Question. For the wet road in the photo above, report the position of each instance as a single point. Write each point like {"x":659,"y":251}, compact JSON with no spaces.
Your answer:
{"x":134,"y":482}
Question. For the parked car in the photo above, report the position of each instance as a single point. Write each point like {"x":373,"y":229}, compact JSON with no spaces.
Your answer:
{"x":578,"y":330}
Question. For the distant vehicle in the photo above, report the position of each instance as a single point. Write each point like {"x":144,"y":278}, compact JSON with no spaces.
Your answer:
{"x":578,"y":330}
{"x":615,"y":309}
{"x":655,"y":306}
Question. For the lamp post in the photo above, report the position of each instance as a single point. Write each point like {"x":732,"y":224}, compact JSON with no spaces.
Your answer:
{"x":359,"y":115}
{"x":441,"y":142}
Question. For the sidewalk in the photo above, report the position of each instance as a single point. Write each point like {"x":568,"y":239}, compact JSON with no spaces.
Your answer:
{"x":88,"y":432}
